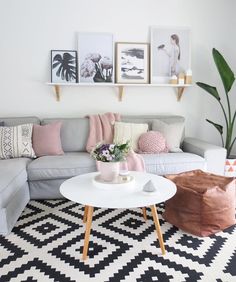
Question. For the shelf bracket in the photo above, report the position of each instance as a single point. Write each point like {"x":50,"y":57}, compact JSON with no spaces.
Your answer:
{"x":58,"y":92}
{"x":121,"y":92}
{"x":180,"y":91}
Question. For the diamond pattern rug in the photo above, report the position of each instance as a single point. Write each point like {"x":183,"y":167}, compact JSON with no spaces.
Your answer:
{"x":46,"y":245}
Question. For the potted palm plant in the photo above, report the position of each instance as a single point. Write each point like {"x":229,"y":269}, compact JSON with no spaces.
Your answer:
{"x":227,"y":136}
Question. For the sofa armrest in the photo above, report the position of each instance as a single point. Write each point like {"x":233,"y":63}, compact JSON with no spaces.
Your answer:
{"x":214,"y":155}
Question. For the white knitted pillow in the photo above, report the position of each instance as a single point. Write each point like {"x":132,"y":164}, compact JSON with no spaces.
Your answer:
{"x":124,"y":131}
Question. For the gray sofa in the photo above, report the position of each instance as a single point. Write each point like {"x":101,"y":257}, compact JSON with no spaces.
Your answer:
{"x":23,"y":179}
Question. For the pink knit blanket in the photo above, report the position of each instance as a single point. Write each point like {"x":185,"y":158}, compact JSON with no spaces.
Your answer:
{"x":102,"y":130}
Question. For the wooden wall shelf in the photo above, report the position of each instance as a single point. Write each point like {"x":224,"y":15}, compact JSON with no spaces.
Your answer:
{"x":179,"y":88}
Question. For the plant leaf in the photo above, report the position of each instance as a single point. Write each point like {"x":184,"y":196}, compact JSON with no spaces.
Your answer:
{"x":217,"y":126}
{"x":226,"y":74}
{"x":210,"y":89}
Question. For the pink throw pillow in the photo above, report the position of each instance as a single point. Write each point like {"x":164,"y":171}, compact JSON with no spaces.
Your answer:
{"x":152,"y":142}
{"x":47,"y":139}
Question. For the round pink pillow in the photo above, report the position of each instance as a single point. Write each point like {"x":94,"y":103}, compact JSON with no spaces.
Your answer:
{"x":152,"y":142}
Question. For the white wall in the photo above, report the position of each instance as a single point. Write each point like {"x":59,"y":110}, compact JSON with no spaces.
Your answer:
{"x":30,"y":29}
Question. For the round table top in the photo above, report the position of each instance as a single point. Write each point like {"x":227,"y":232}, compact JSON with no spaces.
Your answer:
{"x":82,"y":189}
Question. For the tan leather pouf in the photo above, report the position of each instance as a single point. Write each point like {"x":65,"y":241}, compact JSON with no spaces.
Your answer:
{"x":203,"y":204}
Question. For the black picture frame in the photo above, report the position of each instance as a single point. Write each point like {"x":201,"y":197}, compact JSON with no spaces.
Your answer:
{"x":64,"y":66}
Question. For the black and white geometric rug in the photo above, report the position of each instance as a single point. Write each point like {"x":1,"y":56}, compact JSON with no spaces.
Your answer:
{"x":46,"y":245}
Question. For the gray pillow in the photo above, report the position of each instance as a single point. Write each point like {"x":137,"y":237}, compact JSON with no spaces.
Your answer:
{"x":172,"y":132}
{"x":1,"y":123}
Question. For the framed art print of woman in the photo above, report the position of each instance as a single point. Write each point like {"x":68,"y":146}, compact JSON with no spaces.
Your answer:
{"x":170,"y":53}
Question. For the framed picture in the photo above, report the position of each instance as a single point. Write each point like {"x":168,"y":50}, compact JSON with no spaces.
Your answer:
{"x":132,"y":62}
{"x":96,"y":57}
{"x":170,"y":53}
{"x":64,"y":66}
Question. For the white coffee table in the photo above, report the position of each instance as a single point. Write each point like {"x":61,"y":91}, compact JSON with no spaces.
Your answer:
{"x":82,"y":189}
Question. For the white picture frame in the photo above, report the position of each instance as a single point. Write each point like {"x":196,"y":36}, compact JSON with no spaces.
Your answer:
{"x":95,"y":57}
{"x":170,"y":53}
{"x":132,"y":62}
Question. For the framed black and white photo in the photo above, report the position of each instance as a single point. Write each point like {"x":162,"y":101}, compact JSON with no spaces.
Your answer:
{"x":64,"y":66}
{"x":170,"y":53}
{"x":96,"y":57}
{"x":132,"y":62}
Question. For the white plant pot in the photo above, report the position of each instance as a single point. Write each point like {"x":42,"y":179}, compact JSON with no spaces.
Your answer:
{"x":230,"y":167}
{"x":109,"y":171}
{"x":230,"y":170}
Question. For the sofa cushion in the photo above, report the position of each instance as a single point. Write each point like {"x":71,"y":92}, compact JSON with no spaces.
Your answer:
{"x":74,"y":133}
{"x":172,"y":163}
{"x":47,"y":139}
{"x":13,"y":175}
{"x":172,"y":132}
{"x":152,"y":142}
{"x":16,"y":141}
{"x":124,"y":131}
{"x":1,"y":123}
{"x":58,"y":167}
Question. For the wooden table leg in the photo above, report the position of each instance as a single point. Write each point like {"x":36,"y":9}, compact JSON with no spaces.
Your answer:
{"x":87,"y":232}
{"x":158,"y":228}
{"x":144,"y":213}
{"x":85,"y":214}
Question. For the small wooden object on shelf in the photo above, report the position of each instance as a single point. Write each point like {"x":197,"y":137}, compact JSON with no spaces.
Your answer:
{"x":181,"y":78}
{"x":188,"y":77}
{"x":174,"y":80}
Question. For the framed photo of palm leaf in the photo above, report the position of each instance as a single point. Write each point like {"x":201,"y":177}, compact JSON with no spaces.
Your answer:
{"x":64,"y":66}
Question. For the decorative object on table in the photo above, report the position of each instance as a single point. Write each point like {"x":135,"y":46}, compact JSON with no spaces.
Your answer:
{"x":119,"y":181}
{"x":149,"y":187}
{"x":64,"y":66}
{"x":132,"y":62}
{"x":109,"y":157}
{"x":228,"y":78}
{"x":170,"y":53}
{"x":124,"y":175}
{"x":96,"y":57}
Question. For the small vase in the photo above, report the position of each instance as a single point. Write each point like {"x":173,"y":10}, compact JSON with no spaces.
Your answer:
{"x":109,"y":171}
{"x":230,"y":167}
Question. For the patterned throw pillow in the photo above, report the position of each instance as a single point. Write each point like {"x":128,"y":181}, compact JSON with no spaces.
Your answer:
{"x":15,"y":141}
{"x":124,"y":131}
{"x":152,"y":142}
